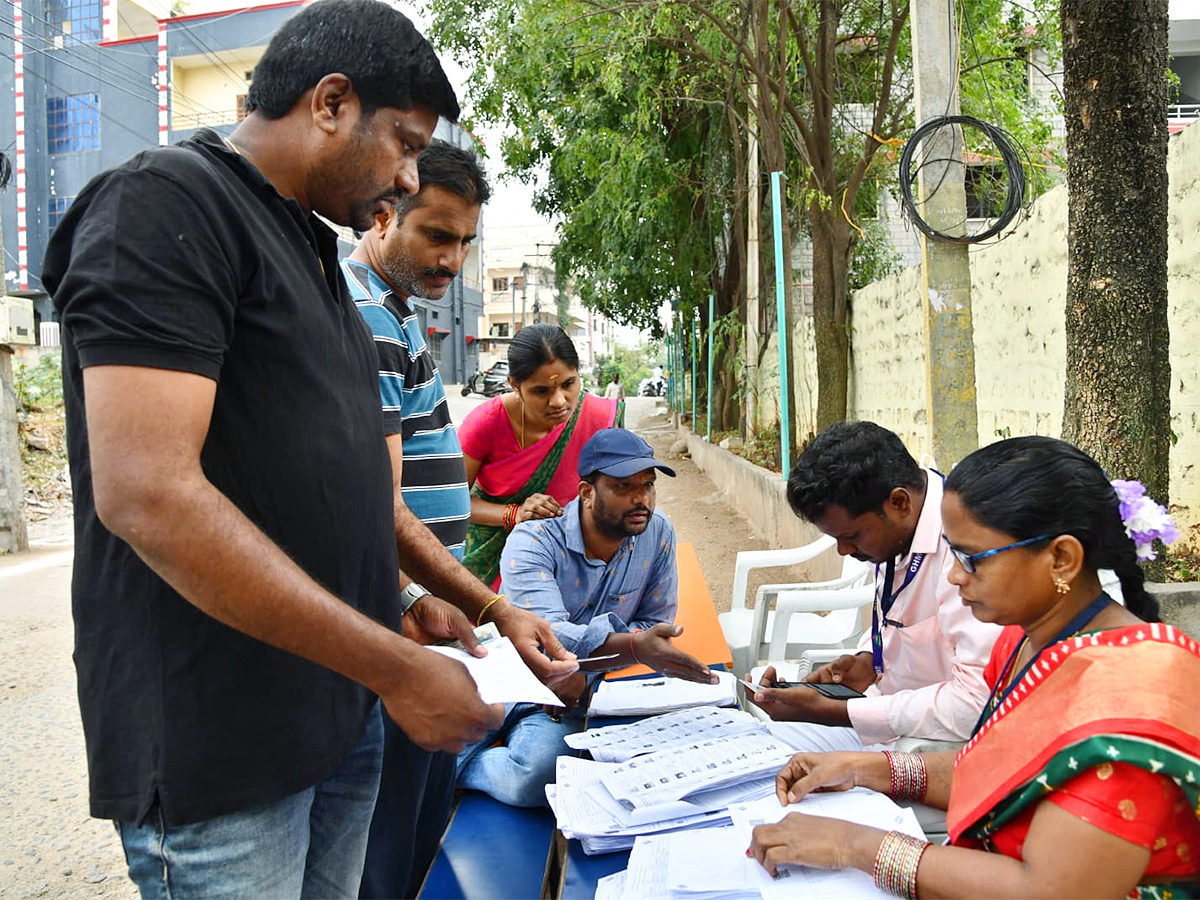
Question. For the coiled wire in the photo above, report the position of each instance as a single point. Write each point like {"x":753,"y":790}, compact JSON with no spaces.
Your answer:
{"x":1014,"y":171}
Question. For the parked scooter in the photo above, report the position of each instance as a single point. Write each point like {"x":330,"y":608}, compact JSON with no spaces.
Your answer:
{"x":653,"y":387}
{"x":490,"y":383}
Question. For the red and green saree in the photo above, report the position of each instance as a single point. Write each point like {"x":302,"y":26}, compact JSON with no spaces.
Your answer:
{"x":1105,"y":725}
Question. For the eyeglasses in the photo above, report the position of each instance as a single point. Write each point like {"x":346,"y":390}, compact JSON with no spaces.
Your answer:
{"x":968,"y":560}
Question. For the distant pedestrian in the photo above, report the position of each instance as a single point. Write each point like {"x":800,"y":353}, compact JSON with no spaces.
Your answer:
{"x":615,"y":390}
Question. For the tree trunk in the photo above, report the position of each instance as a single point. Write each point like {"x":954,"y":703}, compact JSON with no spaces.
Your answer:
{"x":1118,"y":376}
{"x":830,"y":327}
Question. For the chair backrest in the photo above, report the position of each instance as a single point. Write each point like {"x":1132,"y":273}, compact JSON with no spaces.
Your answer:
{"x":763,"y":559}
{"x":842,"y":605}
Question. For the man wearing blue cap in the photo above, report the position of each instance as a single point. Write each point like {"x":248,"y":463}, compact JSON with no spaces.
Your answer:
{"x":603,"y":574}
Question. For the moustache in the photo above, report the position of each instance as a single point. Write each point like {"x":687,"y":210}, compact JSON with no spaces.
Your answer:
{"x":638,"y":510}
{"x":439,"y":273}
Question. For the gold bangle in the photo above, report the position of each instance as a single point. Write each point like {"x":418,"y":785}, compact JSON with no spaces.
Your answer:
{"x":486,"y":607}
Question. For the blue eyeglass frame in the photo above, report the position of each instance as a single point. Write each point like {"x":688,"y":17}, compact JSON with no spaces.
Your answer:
{"x":968,"y":560}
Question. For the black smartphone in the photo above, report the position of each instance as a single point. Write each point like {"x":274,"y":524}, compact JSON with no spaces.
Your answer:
{"x":836,"y":691}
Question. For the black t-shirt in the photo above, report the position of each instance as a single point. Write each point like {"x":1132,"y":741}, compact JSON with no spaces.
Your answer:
{"x":186,"y":258}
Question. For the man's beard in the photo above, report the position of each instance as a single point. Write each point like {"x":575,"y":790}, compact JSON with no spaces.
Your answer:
{"x":406,"y":278}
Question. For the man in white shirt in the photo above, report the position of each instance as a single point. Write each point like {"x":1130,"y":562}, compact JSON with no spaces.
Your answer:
{"x":921,"y":666}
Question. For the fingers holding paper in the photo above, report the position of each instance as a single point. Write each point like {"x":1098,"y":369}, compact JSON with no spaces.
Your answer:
{"x":815,"y":841}
{"x":808,"y":772}
{"x":438,"y":706}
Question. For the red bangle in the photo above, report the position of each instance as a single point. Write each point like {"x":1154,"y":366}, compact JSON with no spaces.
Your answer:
{"x":633,"y":652}
{"x":510,"y":516}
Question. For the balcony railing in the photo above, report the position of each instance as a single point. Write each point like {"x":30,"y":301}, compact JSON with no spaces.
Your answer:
{"x":185,"y":121}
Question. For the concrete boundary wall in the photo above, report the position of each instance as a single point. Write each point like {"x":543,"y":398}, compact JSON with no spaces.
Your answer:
{"x":761,"y":496}
{"x":1018,"y":295}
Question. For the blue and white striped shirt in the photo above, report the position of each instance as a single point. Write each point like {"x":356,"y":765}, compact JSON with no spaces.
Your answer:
{"x":434,"y":481}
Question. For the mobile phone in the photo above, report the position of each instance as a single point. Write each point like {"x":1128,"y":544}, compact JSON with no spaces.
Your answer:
{"x":836,"y":691}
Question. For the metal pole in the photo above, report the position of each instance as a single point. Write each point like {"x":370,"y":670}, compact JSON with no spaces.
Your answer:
{"x":708,"y":430}
{"x":785,"y":420}
{"x":692,"y":333}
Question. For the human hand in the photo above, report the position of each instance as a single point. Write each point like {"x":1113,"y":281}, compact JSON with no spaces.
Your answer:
{"x":539,"y":506}
{"x":805,"y":773}
{"x":432,"y":619}
{"x":569,"y":690}
{"x":815,"y":841}
{"x":653,"y":648}
{"x":797,"y":704}
{"x":436,"y":704}
{"x":855,"y":670}
{"x":533,"y":639}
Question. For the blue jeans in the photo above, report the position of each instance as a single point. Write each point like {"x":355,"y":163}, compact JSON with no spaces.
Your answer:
{"x":310,"y":844}
{"x":518,"y":771}
{"x":416,"y":796}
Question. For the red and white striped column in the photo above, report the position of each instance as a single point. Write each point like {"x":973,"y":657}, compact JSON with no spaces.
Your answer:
{"x":19,"y":90}
{"x":108,"y":28}
{"x":163,"y":121}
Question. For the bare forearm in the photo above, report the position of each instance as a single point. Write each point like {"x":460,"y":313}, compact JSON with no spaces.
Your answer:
{"x":197,"y":541}
{"x":485,"y":513}
{"x":939,"y":772}
{"x":425,"y":559}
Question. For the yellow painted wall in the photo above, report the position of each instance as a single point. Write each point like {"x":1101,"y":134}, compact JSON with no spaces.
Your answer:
{"x":207,"y":95}
{"x":1018,"y":293}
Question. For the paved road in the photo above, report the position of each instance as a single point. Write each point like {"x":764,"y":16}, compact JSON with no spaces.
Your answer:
{"x":49,"y":847}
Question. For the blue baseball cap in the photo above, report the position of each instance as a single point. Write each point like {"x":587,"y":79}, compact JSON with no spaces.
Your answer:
{"x":618,"y":453}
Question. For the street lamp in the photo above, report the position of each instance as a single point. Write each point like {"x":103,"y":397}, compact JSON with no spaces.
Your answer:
{"x":524,"y":277}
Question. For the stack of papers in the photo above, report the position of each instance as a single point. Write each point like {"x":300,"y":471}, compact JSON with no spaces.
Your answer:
{"x":620,"y":743}
{"x":606,"y":805}
{"x":649,"y":696}
{"x":712,"y":865}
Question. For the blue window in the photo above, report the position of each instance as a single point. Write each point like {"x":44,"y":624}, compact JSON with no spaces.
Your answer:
{"x":77,"y":20}
{"x":73,"y":123}
{"x":57,"y":207}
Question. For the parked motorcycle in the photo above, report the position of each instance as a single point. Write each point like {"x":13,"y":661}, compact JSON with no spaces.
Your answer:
{"x":653,"y":387}
{"x":490,"y":383}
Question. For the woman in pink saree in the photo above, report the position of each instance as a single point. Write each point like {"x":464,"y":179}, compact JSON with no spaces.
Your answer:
{"x":522,"y":449}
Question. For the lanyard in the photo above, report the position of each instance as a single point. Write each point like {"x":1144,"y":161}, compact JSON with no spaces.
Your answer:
{"x":881,"y":609}
{"x":1002,"y":689}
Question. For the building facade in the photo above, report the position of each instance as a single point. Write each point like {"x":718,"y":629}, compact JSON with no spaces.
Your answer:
{"x":92,"y":82}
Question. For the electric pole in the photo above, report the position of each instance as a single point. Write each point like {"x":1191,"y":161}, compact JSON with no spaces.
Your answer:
{"x":946,"y":272}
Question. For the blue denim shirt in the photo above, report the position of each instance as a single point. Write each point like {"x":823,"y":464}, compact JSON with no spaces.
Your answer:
{"x":544,"y":569}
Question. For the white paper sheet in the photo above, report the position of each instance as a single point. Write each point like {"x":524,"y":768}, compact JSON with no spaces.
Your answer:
{"x":502,"y":676}
{"x":620,"y":743}
{"x":793,"y":882}
{"x":709,"y":864}
{"x":648,"y":696}
{"x":611,"y":887}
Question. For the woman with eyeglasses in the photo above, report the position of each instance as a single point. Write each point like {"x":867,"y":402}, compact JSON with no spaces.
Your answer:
{"x":1081,"y":777}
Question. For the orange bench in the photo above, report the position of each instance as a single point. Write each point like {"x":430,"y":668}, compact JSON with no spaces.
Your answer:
{"x":702,"y":636}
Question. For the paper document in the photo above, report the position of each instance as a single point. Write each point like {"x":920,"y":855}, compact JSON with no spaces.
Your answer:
{"x":502,"y":676}
{"x":620,"y":743}
{"x":859,"y":805}
{"x":671,"y":775}
{"x":647,"y":696}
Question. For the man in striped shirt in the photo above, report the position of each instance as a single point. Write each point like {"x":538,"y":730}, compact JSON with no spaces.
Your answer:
{"x":417,"y":250}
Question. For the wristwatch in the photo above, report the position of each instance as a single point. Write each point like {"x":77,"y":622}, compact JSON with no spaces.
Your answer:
{"x":410,"y":595}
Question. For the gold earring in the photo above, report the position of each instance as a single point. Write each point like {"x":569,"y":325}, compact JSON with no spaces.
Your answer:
{"x":1061,"y":586}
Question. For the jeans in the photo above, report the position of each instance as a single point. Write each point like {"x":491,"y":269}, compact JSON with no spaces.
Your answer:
{"x":310,"y":844}
{"x":518,"y":771}
{"x":416,"y":795}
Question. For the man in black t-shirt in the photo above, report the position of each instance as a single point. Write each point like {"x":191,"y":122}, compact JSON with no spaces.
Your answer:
{"x":235,"y":590}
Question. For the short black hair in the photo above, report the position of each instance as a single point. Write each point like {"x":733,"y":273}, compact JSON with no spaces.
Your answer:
{"x":456,"y":170}
{"x":387,"y":60}
{"x":856,"y":465}
{"x":1031,"y":486}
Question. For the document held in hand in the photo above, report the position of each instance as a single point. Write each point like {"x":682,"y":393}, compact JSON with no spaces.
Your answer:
{"x":502,"y":676}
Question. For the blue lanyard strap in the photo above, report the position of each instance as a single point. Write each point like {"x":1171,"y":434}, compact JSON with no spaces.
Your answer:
{"x":879,"y":612}
{"x":1002,"y":689}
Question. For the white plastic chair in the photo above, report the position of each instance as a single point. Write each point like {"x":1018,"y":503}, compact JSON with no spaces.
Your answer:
{"x":739,"y":623}
{"x":797,"y":627}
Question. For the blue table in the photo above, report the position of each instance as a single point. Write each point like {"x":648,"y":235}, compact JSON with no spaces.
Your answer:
{"x":491,"y":852}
